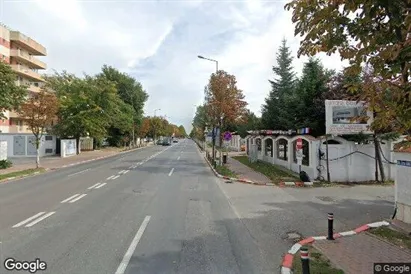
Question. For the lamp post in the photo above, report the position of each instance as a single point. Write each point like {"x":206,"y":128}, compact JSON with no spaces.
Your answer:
{"x":214,"y":131}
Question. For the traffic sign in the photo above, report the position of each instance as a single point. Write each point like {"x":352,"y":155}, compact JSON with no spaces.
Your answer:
{"x":299,"y":144}
{"x":227,"y":136}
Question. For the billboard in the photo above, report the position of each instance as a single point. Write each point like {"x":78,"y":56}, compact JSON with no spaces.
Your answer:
{"x":347,"y":117}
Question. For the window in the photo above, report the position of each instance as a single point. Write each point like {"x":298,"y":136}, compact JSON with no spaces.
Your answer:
{"x":49,"y":138}
{"x":282,"y":148}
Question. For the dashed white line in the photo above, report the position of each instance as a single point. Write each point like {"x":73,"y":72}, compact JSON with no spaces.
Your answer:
{"x":111,"y":177}
{"x":122,"y":172}
{"x":82,"y":171}
{"x":171,"y":171}
{"x":115,"y":177}
{"x":178,"y":158}
{"x":68,"y":199}
{"x":103,"y":184}
{"x":28,"y":219}
{"x":40,"y":219}
{"x":93,"y":186}
{"x":126,"y":171}
{"x":78,"y":198}
{"x":126,"y":259}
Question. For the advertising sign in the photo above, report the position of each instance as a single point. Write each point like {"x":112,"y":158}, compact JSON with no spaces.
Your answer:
{"x":347,"y":117}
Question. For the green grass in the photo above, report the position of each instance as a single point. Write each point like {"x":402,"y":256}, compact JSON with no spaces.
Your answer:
{"x":319,"y":264}
{"x":271,"y":171}
{"x":223,"y":170}
{"x":21,"y":173}
{"x":395,"y":237}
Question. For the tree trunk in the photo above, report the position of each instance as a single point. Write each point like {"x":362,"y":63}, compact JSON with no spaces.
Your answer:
{"x":37,"y":152}
{"x":380,"y":164}
{"x":78,"y":145}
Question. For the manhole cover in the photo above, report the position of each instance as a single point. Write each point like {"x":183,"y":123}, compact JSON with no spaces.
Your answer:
{"x":325,"y":198}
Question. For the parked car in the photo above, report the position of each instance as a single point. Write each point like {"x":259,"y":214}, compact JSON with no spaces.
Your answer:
{"x":166,"y":142}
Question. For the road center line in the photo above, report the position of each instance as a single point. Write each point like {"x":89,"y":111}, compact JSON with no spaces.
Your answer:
{"x":101,"y":185}
{"x":78,"y":198}
{"x":93,"y":186}
{"x":178,"y":158}
{"x":115,"y":177}
{"x":126,"y":171}
{"x":68,"y":199}
{"x":78,"y":172}
{"x":111,"y":177}
{"x":171,"y":171}
{"x":126,"y":259}
{"x":40,"y":219}
{"x":28,"y":219}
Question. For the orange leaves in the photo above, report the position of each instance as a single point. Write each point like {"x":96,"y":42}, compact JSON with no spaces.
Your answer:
{"x":224,"y":101}
{"x":39,"y":111}
{"x":145,"y":127}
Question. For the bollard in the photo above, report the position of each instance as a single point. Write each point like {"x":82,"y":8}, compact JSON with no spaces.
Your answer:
{"x":305,"y":260}
{"x":330,"y":226}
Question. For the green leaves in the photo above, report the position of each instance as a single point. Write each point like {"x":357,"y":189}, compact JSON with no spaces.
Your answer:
{"x":375,"y":32}
{"x":11,"y":95}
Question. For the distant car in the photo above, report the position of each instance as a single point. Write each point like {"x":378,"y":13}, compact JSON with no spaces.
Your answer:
{"x":175,"y":141}
{"x":166,"y":142}
{"x":159,"y":142}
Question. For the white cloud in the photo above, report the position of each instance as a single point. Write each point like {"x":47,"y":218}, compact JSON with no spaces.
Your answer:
{"x":158,"y":43}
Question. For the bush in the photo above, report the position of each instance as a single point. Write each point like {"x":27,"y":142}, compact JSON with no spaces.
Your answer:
{"x":5,"y":164}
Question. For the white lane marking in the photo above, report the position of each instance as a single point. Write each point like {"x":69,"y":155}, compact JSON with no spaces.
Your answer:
{"x":28,"y":219}
{"x":93,"y":186}
{"x":78,"y":198}
{"x":126,"y":259}
{"x":111,"y":177}
{"x":171,"y":171}
{"x":40,"y":219}
{"x":101,"y":185}
{"x":115,"y":177}
{"x":178,"y":158}
{"x":122,"y":172}
{"x":78,"y":172}
{"x":126,"y":171}
{"x":68,"y":199}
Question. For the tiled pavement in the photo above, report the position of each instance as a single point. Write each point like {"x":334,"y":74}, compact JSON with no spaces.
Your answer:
{"x":244,"y":172}
{"x":358,"y":253}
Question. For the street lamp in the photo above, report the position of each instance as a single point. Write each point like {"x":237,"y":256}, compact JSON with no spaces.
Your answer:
{"x":212,"y":60}
{"x":214,"y":131}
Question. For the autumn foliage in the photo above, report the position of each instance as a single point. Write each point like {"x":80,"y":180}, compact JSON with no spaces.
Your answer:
{"x":375,"y":33}
{"x":224,"y":101}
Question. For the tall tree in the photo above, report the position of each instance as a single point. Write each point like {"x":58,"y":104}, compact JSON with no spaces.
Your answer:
{"x":372,"y":32}
{"x":131,"y":92}
{"x":182,"y":131}
{"x":11,"y":95}
{"x":253,"y":123}
{"x":39,"y":111}
{"x":274,"y":111}
{"x":308,"y":109}
{"x":224,"y":100}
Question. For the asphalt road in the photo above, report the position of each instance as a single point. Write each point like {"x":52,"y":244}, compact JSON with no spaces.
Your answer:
{"x":155,"y":210}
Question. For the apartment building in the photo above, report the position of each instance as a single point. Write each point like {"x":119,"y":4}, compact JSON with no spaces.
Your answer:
{"x":20,"y":52}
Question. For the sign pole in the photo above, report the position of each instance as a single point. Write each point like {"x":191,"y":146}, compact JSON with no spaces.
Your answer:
{"x":328,"y":163}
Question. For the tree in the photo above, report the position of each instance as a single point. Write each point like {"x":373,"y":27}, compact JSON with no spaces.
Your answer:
{"x":274,"y":114}
{"x":307,"y":108}
{"x":253,"y":123}
{"x":131,"y":92}
{"x":39,"y":111}
{"x":182,"y":131}
{"x":224,"y":101}
{"x":11,"y":95}
{"x":144,"y":128}
{"x":371,"y":32}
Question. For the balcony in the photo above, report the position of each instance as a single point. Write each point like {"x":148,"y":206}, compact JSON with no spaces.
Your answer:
{"x":27,"y":58}
{"x":26,"y":42}
{"x":27,"y":73}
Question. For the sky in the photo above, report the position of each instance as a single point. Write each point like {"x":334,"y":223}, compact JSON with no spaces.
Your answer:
{"x":157,"y":42}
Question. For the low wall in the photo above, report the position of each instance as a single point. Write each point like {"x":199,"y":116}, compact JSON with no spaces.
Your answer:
{"x":403,"y":187}
{"x":3,"y":150}
{"x":348,"y":162}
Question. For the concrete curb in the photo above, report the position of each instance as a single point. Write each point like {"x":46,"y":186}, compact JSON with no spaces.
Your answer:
{"x":286,"y":266}
{"x":69,"y":165}
{"x":244,"y":181}
{"x":297,"y":184}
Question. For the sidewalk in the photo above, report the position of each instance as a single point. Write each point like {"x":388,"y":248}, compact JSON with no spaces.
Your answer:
{"x":357,"y":254}
{"x":243,"y":171}
{"x":55,"y":162}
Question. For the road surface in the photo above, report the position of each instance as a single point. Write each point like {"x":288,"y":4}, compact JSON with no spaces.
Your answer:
{"x":155,"y":210}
